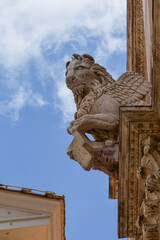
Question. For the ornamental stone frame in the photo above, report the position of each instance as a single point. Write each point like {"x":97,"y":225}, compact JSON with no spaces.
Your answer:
{"x":139,"y":163}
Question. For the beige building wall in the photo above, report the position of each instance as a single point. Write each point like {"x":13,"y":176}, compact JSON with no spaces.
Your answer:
{"x":26,"y":214}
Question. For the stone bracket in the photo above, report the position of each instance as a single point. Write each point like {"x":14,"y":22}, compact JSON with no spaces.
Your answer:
{"x":91,"y":154}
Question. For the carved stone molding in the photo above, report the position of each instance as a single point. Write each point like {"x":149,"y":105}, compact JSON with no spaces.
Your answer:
{"x":136,"y":56}
{"x":139,"y":144}
{"x":156,"y":57}
{"x":139,"y":181}
{"x":148,"y":24}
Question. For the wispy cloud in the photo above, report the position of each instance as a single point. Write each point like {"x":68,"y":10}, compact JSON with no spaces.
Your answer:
{"x":65,"y":102}
{"x":23,"y":97}
{"x":47,"y":31}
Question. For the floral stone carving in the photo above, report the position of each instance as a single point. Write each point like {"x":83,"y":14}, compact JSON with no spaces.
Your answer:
{"x":98,"y":98}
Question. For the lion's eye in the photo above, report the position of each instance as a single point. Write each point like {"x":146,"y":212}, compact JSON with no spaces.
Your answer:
{"x":79,"y":68}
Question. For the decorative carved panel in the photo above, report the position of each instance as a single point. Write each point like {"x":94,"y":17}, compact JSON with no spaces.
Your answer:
{"x":139,"y":175}
{"x":139,"y":181}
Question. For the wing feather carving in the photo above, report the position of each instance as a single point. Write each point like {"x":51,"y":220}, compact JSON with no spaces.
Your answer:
{"x":129,"y":89}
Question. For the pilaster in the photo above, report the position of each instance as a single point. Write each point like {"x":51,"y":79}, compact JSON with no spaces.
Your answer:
{"x":139,"y":177}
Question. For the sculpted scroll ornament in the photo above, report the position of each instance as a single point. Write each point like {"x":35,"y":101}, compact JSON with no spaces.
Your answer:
{"x":98,"y":98}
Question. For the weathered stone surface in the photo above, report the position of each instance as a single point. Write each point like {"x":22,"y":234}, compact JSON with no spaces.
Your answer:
{"x":149,"y":183}
{"x":105,"y":159}
{"x":138,"y":213}
{"x":136,"y":49}
{"x":138,"y":171}
{"x":98,"y":96}
{"x":113,"y":188}
{"x":79,"y":151}
{"x":95,"y":155}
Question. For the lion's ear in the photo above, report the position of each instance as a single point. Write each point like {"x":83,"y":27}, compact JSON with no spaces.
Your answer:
{"x":89,"y":57}
{"x":67,"y":64}
{"x":77,"y":56}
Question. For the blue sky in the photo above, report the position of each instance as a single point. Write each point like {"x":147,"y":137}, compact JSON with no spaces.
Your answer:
{"x":37,"y":39}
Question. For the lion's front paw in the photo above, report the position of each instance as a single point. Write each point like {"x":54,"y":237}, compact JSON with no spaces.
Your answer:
{"x":78,"y":124}
{"x":69,"y":129}
{"x":73,"y":126}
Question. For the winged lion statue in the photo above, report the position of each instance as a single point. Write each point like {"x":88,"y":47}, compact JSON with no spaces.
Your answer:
{"x":98,"y":96}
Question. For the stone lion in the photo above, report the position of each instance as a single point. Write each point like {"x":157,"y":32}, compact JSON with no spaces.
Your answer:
{"x":98,"y":96}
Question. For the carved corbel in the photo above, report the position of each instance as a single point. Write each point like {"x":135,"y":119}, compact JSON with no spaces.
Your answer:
{"x":95,"y":155}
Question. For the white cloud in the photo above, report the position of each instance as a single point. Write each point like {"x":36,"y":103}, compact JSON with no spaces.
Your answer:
{"x":65,"y":102}
{"x":34,"y":29}
{"x":23,"y":97}
{"x":24,"y":25}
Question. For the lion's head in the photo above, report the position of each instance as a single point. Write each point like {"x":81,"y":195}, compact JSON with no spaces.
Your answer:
{"x":83,"y":75}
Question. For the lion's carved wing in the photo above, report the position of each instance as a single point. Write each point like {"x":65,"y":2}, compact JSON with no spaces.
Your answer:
{"x":129,"y":89}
